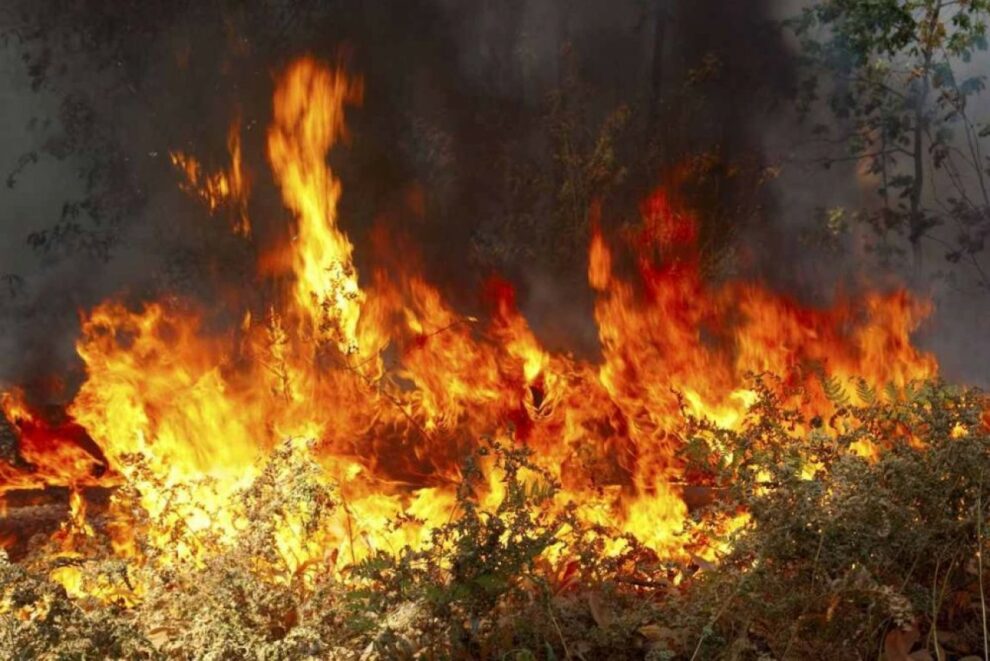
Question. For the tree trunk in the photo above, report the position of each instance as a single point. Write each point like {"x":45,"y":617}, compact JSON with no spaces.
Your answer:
{"x":918,"y":224}
{"x":656,"y":72}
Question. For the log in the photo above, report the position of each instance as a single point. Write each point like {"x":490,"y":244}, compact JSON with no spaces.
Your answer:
{"x":25,"y":513}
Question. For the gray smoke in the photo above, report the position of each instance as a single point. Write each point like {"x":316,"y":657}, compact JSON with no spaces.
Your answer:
{"x":454,"y":90}
{"x":955,"y":332}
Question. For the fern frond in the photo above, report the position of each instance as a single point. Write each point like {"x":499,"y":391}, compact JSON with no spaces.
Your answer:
{"x":834,"y":390}
{"x":866,"y":393}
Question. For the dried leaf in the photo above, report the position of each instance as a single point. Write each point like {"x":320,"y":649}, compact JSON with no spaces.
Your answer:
{"x":951,"y":639}
{"x":567,"y":577}
{"x":161,"y":635}
{"x":598,"y":611}
{"x":654,"y":632}
{"x":898,"y":643}
{"x":703,"y":564}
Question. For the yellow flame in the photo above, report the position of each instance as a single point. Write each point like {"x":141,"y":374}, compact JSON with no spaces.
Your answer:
{"x":309,"y":119}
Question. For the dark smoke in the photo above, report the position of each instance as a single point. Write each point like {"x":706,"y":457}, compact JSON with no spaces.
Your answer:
{"x":451,"y":135}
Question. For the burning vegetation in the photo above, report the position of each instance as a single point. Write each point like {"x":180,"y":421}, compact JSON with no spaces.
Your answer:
{"x":356,"y":470}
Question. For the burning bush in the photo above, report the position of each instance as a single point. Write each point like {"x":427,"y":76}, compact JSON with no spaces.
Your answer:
{"x":354,"y":469}
{"x":844,"y":554}
{"x":838,"y":554}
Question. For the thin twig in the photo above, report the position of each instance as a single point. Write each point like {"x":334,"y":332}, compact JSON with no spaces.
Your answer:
{"x":934,"y":632}
{"x":979,"y":560}
{"x":560,"y":634}
{"x":722,"y":610}
{"x":814,"y":576}
{"x":643,"y":583}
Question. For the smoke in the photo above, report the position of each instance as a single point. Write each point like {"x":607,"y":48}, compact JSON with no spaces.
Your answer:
{"x":800,"y":263}
{"x":455,"y":112}
{"x":25,"y":209}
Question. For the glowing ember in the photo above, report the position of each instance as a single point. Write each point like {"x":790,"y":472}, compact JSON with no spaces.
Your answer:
{"x":188,"y":416}
{"x":48,"y":453}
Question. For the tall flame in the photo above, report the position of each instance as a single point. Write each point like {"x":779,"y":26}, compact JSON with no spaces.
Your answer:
{"x":309,"y":119}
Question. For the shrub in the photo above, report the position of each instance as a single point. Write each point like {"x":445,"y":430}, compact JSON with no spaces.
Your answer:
{"x":850,"y":536}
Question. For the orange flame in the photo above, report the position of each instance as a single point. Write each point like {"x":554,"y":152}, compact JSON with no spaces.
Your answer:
{"x":201,"y":410}
{"x":309,"y":119}
{"x":230,"y":188}
{"x":49,"y":454}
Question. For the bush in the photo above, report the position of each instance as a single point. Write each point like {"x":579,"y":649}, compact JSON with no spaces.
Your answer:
{"x":839,"y":538}
{"x":845,"y":555}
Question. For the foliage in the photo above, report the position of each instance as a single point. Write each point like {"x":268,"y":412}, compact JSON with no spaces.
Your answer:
{"x":11,"y":284}
{"x":844,"y":555}
{"x":100,"y":65}
{"x":53,"y":40}
{"x":545,"y":198}
{"x":55,"y":627}
{"x":896,"y":75}
{"x":472,"y":565}
{"x":595,"y":158}
{"x":839,"y":556}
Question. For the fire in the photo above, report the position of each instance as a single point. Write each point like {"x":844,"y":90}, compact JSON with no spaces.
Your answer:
{"x":309,"y":119}
{"x":229,"y":188}
{"x":48,"y":453}
{"x":187,"y":415}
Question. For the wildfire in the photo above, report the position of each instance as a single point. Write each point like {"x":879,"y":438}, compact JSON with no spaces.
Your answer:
{"x":187,"y":415}
{"x":309,"y":119}
{"x":48,"y":453}
{"x":230,"y":188}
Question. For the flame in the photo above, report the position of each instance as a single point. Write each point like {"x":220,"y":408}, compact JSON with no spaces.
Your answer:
{"x":188,"y":416}
{"x":309,"y":119}
{"x":229,"y":188}
{"x":49,"y":454}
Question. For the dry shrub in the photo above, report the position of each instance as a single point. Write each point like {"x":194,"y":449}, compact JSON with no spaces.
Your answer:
{"x":841,"y":557}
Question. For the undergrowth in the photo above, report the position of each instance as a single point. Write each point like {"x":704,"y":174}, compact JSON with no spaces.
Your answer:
{"x":856,"y":536}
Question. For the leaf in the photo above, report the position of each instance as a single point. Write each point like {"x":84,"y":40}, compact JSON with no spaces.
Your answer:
{"x":599,"y":613}
{"x":866,"y":393}
{"x":898,"y":642}
{"x":653,"y":632}
{"x":490,"y":583}
{"x":834,"y":390}
{"x":703,"y":564}
{"x":160,"y":635}
{"x":567,"y":577}
{"x":665,"y":638}
{"x":950,"y":639}
{"x":972,"y":85}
